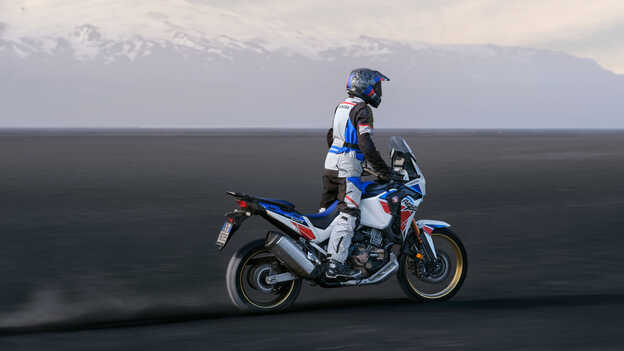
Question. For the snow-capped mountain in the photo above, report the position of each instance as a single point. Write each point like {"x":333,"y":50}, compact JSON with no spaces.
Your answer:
{"x":91,"y":27}
{"x":133,"y":64}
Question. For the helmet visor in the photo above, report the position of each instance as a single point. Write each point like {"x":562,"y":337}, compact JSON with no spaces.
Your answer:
{"x":377,"y":88}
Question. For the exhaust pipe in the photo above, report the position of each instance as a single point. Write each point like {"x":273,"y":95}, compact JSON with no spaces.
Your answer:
{"x":289,"y":253}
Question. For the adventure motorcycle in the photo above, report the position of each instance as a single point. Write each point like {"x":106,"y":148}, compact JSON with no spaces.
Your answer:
{"x":267,"y":274}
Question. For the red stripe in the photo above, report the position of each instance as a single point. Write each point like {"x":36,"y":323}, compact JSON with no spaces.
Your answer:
{"x":364,"y":125}
{"x":348,"y":103}
{"x":371,"y":92}
{"x":405,"y":215}
{"x":305,"y":231}
{"x":385,"y":206}
{"x":350,"y":199}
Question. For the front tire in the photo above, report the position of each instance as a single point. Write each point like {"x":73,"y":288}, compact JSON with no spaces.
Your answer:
{"x":446,"y":281}
{"x":244,"y":280}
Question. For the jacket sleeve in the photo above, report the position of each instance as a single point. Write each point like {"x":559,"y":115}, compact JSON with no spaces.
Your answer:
{"x":330,"y":137}
{"x":365,"y":142}
{"x":330,"y":132}
{"x":364,"y":122}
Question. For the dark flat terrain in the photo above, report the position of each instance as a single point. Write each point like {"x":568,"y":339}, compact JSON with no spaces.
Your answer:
{"x":108,"y":242}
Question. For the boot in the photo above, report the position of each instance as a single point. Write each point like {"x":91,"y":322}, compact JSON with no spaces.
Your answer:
{"x":337,"y":270}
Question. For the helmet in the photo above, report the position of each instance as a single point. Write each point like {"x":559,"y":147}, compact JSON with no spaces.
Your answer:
{"x":366,"y":84}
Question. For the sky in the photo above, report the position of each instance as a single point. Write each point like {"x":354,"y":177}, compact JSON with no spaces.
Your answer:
{"x":467,"y":63}
{"x":590,"y":29}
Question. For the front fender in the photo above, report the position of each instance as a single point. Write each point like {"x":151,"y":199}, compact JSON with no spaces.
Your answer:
{"x":427,"y":226}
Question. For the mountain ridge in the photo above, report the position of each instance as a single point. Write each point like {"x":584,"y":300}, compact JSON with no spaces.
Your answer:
{"x":87,"y":43}
{"x":89,"y":80}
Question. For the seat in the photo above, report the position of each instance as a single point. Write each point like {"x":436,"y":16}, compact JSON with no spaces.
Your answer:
{"x":374,"y":189}
{"x":323,"y":220}
{"x":280,"y":203}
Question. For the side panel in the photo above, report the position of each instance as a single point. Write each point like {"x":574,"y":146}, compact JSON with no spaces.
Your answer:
{"x":375,"y":213}
{"x":408,"y":210}
{"x":297,"y":227}
{"x":304,"y":227}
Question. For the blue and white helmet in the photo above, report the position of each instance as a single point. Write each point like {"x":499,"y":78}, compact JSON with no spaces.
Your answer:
{"x":366,"y":84}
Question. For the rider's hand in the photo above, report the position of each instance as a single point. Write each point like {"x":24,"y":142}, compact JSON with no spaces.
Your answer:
{"x":386,"y":177}
{"x":397,"y":177}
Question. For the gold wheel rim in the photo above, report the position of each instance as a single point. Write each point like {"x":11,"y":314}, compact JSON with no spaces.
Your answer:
{"x":459,"y":268}
{"x":240,"y":281}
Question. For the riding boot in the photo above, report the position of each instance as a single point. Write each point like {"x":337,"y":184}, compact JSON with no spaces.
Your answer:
{"x":337,"y":270}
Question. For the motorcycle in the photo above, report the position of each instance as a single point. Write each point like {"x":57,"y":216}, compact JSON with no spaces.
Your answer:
{"x":427,"y":256}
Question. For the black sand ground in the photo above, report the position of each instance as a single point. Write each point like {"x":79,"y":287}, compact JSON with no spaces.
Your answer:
{"x":117,"y":230}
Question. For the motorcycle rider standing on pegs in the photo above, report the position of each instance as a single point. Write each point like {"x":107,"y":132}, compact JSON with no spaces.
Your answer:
{"x":350,"y":143}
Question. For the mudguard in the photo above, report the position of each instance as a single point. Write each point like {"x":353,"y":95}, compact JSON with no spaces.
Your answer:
{"x":427,"y":226}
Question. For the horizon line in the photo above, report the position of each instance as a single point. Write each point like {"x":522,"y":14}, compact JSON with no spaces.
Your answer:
{"x":170,"y":128}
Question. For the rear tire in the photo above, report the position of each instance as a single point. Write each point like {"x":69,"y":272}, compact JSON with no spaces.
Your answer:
{"x":455,"y":264}
{"x":239,"y":274}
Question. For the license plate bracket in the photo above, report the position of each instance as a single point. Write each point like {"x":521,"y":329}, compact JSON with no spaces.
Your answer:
{"x":224,"y":234}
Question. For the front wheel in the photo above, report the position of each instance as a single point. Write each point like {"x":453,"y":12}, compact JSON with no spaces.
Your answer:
{"x":439,"y":280}
{"x":246,"y":284}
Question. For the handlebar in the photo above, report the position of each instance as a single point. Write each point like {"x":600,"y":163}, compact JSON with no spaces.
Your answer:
{"x":394,"y":177}
{"x":369,"y":171}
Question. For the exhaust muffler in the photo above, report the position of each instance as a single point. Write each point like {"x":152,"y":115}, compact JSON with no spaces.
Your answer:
{"x":290,"y":254}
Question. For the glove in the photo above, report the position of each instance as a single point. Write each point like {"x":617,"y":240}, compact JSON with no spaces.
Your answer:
{"x":386,"y":177}
{"x":397,"y":177}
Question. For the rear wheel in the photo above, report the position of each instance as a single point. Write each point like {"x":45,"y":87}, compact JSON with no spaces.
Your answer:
{"x":440,"y":279}
{"x":246,"y":280}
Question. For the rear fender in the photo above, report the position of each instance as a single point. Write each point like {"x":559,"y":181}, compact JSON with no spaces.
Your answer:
{"x":236,"y":217}
{"x":427,"y":226}
{"x":247,"y":207}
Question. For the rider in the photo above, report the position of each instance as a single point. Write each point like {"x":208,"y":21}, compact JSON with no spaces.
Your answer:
{"x":350,"y":144}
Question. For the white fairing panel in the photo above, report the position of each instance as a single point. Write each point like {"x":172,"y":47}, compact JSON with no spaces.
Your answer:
{"x":421,"y":183}
{"x":319,"y":235}
{"x":432,"y":222}
{"x":372,"y":213}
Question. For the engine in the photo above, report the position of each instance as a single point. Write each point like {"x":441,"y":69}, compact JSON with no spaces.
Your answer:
{"x":368,"y":254}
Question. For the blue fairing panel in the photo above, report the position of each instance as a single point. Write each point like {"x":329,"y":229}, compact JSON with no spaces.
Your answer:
{"x":290,"y":214}
{"x":416,"y":188}
{"x":436,"y":225}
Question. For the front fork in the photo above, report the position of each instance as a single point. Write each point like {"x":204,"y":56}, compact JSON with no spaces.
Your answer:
{"x":420,"y":244}
{"x":420,"y":247}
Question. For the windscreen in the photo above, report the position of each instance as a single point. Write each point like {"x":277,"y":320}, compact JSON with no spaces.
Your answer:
{"x":403,"y":158}
{"x":397,"y":143}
